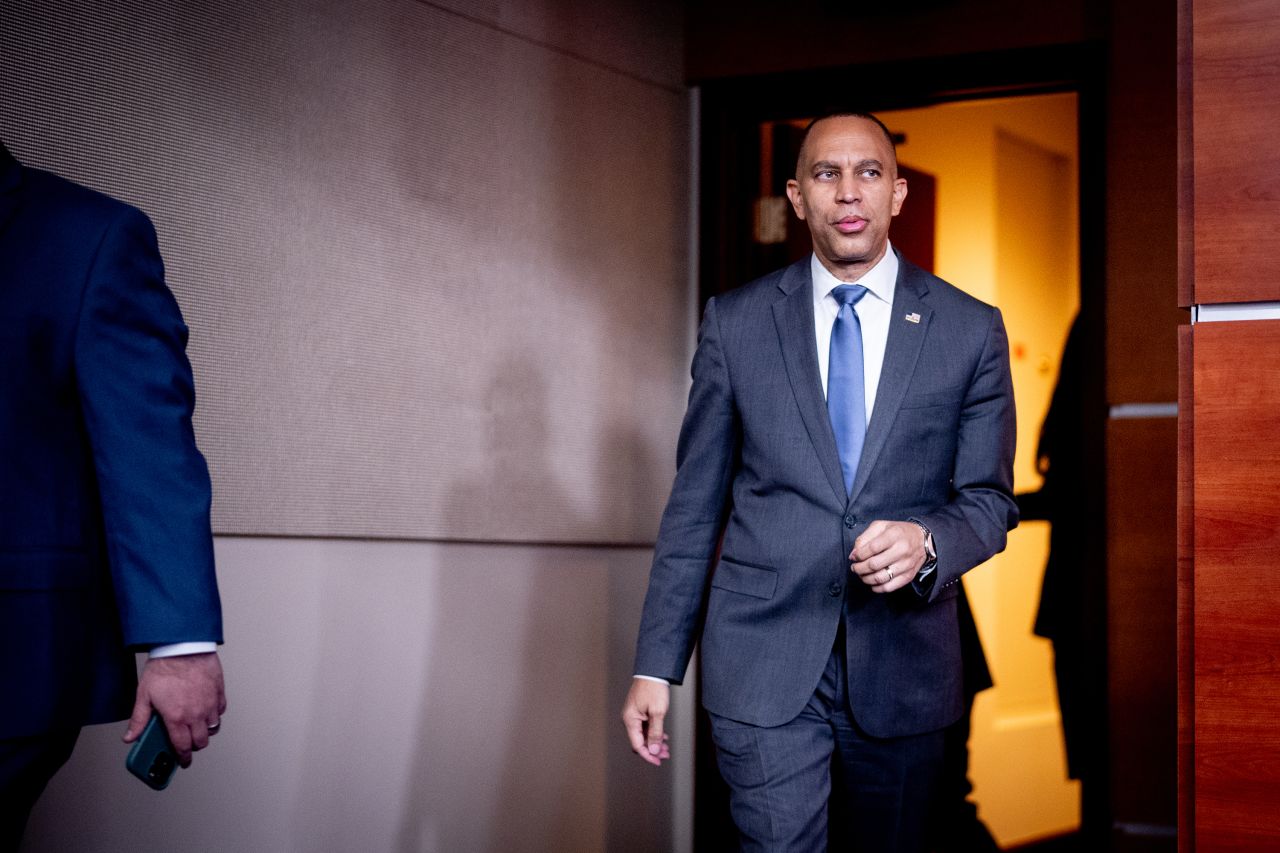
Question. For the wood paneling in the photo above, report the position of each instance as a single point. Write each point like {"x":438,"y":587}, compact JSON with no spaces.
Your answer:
{"x":1236,"y":163}
{"x":1141,"y":594}
{"x":1141,"y":367}
{"x":1142,"y":205}
{"x":1186,"y":177}
{"x":1236,"y":469}
{"x":1186,"y":598}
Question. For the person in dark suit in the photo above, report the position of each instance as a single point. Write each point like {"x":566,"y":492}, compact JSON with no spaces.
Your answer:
{"x":849,"y":444}
{"x":105,"y":543}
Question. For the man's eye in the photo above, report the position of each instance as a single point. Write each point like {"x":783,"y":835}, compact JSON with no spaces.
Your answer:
{"x":825,"y":175}
{"x":871,"y":173}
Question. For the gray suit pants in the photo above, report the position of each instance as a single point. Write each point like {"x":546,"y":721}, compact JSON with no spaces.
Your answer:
{"x":819,"y":776}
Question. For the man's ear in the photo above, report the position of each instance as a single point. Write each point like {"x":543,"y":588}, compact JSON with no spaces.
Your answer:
{"x":899,"y":194}
{"x":797,"y":198}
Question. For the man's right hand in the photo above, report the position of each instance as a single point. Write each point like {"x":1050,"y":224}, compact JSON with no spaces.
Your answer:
{"x":187,"y":692}
{"x":643,"y":714}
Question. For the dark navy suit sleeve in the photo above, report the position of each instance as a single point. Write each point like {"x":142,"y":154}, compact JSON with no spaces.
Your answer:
{"x":137,"y":397}
{"x":973,"y":525}
{"x":705,"y":459}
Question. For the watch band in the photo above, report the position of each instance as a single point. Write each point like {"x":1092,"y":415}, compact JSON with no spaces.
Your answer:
{"x":931,"y":553}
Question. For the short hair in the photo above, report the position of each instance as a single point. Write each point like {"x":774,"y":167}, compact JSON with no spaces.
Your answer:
{"x":888,"y":134}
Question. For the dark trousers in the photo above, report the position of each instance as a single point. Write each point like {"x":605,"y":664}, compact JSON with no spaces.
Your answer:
{"x":26,"y":766}
{"x":781,"y":778}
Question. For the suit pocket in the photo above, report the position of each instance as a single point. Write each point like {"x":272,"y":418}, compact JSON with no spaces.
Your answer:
{"x":756,"y":581}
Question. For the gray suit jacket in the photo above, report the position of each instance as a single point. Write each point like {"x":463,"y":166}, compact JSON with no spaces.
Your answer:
{"x":757,"y":461}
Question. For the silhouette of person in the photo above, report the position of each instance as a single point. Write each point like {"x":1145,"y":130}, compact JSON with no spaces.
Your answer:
{"x":1061,"y":500}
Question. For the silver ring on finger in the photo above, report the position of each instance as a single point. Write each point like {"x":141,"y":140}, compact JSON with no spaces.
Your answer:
{"x":889,"y":569}
{"x":213,"y":729}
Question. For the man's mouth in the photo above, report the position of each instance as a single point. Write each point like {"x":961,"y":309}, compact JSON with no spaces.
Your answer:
{"x":851,"y":225}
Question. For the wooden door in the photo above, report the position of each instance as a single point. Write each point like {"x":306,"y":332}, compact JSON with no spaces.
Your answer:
{"x":1229,"y":467}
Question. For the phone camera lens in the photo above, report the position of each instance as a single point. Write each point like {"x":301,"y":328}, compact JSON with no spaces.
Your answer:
{"x":161,"y":766}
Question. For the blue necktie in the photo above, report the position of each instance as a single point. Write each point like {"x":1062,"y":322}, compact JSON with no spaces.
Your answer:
{"x":846,"y":397}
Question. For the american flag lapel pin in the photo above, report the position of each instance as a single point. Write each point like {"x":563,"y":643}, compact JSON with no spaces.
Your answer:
{"x":913,"y":317}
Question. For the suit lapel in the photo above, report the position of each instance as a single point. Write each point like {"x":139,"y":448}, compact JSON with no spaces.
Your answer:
{"x":901,"y":352}
{"x":793,"y":315}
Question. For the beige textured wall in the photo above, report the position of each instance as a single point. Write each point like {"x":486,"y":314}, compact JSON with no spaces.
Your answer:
{"x":435,"y":261}
{"x":401,"y":696}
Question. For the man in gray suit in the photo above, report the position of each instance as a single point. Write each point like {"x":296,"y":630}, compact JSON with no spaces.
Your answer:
{"x":850,"y":434}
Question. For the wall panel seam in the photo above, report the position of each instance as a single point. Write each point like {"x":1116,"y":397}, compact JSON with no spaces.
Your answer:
{"x":555,"y":48}
{"x":427,"y":540}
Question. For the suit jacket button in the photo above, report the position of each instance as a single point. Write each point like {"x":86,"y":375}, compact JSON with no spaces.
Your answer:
{"x":834,"y":590}
{"x":849,"y":521}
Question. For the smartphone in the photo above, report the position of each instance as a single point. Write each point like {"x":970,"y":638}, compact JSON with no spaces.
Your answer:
{"x":152,"y":758}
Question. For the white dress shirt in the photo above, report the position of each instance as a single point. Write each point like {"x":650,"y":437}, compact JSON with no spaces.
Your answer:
{"x":873,"y":315}
{"x":874,"y":311}
{"x":174,"y":650}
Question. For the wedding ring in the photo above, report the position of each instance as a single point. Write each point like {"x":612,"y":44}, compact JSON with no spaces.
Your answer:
{"x":889,"y":569}
{"x":213,"y":729}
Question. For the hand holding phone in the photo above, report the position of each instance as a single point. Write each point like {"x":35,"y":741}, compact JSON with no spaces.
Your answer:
{"x":152,"y":757}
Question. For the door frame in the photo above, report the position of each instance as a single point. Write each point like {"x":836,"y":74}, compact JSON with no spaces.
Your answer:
{"x":729,"y":114}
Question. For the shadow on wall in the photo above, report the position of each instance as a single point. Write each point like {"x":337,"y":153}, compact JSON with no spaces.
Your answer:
{"x":517,"y":747}
{"x":566,"y":183}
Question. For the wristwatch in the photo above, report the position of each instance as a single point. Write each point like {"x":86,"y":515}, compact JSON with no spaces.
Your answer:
{"x":931,"y":553}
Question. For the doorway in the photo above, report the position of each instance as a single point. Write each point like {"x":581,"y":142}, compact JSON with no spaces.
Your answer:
{"x":1006,"y":173}
{"x":994,"y":208}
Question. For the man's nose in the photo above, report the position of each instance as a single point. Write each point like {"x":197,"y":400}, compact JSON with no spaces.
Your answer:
{"x":847,"y":189}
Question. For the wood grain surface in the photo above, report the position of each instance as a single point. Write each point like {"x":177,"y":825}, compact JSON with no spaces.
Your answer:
{"x":1236,"y":161}
{"x":1186,"y":596}
{"x":1236,"y":488}
{"x":1141,"y":618}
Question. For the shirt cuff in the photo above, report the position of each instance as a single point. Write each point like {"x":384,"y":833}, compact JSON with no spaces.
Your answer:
{"x":923,"y":583}
{"x":652,"y":678}
{"x":172,"y":650}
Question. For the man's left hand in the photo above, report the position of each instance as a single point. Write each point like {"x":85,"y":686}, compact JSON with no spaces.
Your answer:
{"x":188,"y":693}
{"x":888,"y":554}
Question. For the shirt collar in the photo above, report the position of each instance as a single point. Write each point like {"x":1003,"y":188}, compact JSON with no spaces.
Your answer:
{"x":880,"y":280}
